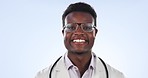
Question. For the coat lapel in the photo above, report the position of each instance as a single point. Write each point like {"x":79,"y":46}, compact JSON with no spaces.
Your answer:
{"x":99,"y":71}
{"x":60,"y":69}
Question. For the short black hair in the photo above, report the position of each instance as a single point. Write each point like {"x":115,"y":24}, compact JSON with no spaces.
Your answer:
{"x":79,"y":7}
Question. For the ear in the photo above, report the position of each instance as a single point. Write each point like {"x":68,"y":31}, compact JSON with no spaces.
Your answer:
{"x":95,"y":32}
{"x":63,"y":32}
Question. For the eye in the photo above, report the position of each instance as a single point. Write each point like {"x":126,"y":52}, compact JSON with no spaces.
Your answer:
{"x":87,"y":28}
{"x":71,"y":27}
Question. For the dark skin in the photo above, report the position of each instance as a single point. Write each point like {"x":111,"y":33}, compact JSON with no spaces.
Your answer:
{"x":79,"y":52}
{"x":81,"y":61}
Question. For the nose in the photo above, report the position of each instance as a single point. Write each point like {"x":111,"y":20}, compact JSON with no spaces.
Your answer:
{"x":79,"y":30}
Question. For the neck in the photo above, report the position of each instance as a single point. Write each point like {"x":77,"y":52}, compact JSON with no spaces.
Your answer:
{"x":81,"y":60}
{"x":84,"y":56}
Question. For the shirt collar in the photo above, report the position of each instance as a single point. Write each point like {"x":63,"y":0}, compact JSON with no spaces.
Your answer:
{"x":69,"y":64}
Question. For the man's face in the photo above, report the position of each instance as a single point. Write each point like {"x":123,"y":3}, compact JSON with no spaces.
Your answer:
{"x":79,"y":41}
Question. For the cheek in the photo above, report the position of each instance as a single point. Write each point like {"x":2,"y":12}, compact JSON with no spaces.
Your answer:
{"x":66,"y":36}
{"x":92,"y":35}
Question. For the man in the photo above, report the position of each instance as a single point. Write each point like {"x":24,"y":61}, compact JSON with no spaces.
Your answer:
{"x":79,"y":32}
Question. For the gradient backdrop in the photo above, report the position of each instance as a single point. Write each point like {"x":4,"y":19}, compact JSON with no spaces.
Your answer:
{"x":31,"y":38}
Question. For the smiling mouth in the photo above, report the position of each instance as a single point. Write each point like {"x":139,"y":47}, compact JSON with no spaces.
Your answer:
{"x":79,"y":40}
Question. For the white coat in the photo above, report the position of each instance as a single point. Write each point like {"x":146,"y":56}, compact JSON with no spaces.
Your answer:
{"x":60,"y":71}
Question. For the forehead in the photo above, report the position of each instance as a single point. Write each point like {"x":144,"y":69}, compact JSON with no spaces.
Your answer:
{"x":79,"y":17}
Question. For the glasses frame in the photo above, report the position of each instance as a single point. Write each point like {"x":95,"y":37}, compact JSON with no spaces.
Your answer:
{"x":79,"y":25}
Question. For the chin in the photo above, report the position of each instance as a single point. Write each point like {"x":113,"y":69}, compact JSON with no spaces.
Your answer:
{"x":79,"y":52}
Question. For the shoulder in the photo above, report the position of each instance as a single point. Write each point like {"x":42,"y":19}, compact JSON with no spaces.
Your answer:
{"x":114,"y":73}
{"x":44,"y":73}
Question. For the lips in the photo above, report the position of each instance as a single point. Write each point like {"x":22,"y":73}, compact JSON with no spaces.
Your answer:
{"x":79,"y":40}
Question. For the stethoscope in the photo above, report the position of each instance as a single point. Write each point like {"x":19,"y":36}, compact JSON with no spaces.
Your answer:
{"x":107,"y":74}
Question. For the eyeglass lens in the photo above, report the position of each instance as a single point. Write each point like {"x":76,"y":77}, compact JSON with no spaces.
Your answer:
{"x":87,"y":27}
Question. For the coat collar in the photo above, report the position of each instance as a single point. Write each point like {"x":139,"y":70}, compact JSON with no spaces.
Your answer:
{"x":99,"y":71}
{"x":60,"y":70}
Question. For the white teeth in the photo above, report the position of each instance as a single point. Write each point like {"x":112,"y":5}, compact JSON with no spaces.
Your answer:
{"x":79,"y":40}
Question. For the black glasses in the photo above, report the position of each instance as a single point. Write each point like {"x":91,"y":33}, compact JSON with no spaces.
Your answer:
{"x":87,"y":27}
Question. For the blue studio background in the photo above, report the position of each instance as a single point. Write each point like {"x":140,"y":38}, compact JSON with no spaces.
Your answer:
{"x":31,"y":38}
